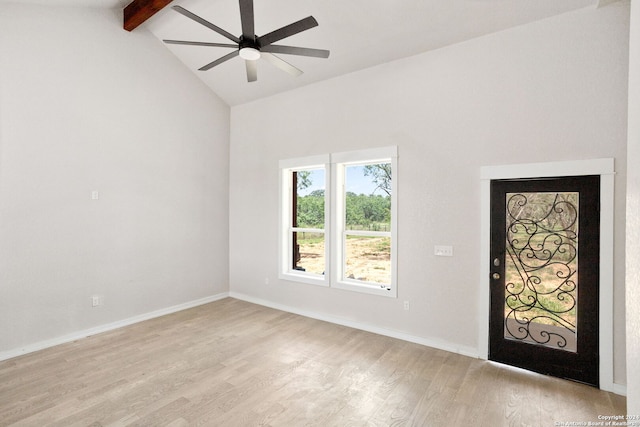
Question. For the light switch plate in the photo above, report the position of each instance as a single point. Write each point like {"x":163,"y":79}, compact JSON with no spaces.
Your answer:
{"x":440,"y":250}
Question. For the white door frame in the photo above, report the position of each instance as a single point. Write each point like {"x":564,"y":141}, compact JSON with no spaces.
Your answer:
{"x":602,"y":167}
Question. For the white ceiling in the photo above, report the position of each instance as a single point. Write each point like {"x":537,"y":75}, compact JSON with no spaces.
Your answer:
{"x":359,"y":33}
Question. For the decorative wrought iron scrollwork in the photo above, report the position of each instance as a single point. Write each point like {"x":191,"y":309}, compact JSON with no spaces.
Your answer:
{"x":541,"y":268}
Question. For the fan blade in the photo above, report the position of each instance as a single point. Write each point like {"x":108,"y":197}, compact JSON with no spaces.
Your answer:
{"x":206,"y":23}
{"x":247,"y":20}
{"x":219,"y":60}
{"x":287,"y":31}
{"x":200,"y":43}
{"x":282,"y":64}
{"x":292,"y":50}
{"x":252,"y":70}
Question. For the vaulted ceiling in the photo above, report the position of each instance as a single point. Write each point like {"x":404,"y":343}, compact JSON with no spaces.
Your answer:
{"x":359,"y":33}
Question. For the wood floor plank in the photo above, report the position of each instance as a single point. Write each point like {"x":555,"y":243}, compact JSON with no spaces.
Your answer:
{"x":232,"y":363}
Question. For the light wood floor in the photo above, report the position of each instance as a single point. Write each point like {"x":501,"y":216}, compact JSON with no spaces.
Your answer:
{"x":231,"y":363}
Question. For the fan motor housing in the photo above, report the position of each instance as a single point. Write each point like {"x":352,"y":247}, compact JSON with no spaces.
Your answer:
{"x":244,"y":43}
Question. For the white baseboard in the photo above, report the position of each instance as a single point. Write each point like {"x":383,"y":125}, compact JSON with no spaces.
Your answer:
{"x":441,"y":345}
{"x":108,"y":327}
{"x":619,"y":389}
{"x":603,"y":3}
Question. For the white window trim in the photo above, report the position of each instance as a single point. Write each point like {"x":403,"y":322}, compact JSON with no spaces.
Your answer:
{"x":334,"y":242}
{"x":285,"y":272}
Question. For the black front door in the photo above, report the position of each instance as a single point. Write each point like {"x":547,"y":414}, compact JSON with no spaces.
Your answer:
{"x":545,"y":244}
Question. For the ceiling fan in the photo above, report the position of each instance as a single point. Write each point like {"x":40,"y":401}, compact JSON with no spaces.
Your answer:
{"x":252,"y":47}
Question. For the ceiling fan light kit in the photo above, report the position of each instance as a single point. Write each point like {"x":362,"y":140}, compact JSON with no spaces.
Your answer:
{"x":251,"y":47}
{"x":249,"y":54}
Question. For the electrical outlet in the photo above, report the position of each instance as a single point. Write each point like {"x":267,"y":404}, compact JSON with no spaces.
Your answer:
{"x":406,"y":305}
{"x":266,"y":280}
{"x":96,"y":301}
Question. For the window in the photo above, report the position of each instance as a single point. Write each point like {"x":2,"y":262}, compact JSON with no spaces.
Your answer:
{"x":339,"y":220}
{"x":365,"y":221}
{"x":304,"y":249}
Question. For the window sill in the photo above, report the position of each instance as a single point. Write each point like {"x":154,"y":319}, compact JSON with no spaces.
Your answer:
{"x":366,"y":288}
{"x":304,"y":278}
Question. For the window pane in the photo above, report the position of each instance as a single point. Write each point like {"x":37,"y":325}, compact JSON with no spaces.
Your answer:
{"x":368,"y":197}
{"x":309,"y":198}
{"x":368,"y":259}
{"x":308,"y":252}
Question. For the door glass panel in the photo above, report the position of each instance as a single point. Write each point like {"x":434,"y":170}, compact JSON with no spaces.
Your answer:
{"x":541,"y":269}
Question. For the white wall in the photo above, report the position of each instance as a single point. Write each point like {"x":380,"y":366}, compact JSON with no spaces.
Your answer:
{"x":549,"y":91}
{"x":633,"y":218}
{"x":85,"y":105}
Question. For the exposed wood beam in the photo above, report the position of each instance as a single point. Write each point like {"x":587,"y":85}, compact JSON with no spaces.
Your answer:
{"x":139,"y":11}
